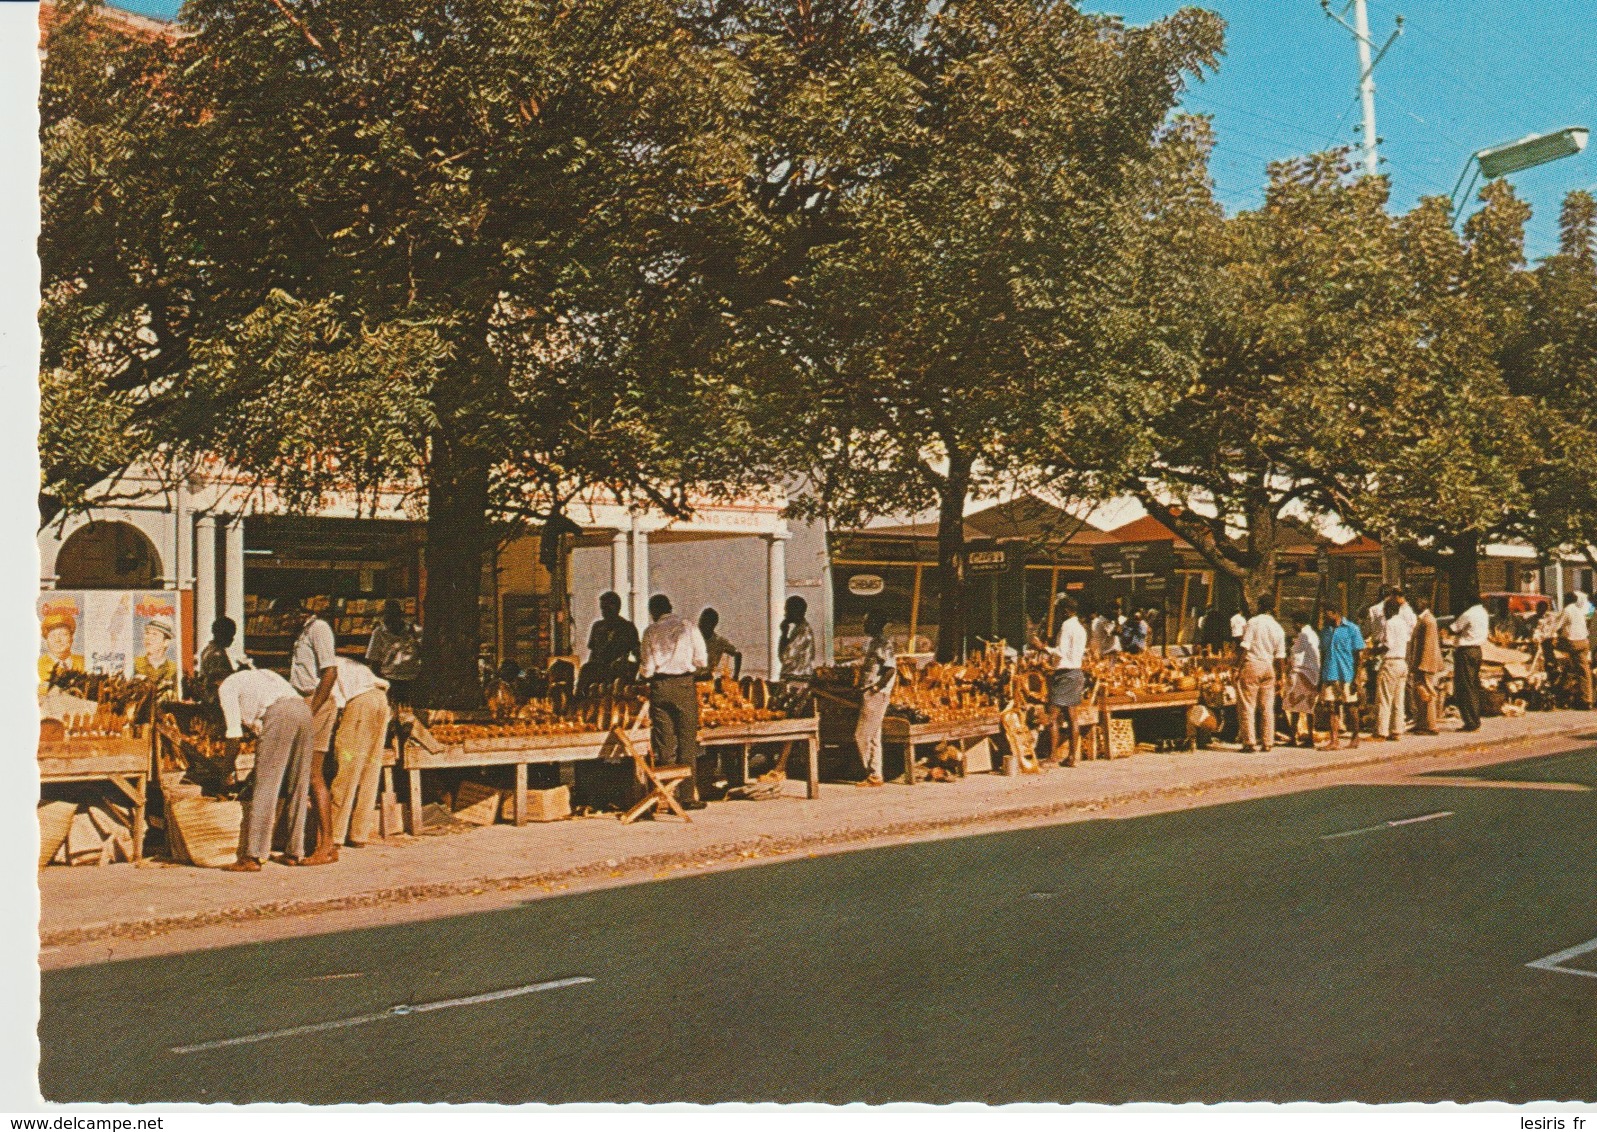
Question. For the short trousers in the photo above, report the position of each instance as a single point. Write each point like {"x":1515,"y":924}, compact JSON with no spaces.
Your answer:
{"x":1340,"y":692}
{"x":1065,"y":687}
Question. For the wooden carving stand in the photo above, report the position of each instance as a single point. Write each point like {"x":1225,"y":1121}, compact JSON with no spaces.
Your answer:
{"x":662,"y":782}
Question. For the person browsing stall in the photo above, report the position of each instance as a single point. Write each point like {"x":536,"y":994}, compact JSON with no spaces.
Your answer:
{"x":1425,"y":666}
{"x":1068,"y":680}
{"x":362,"y":700}
{"x":216,"y":663}
{"x":1575,"y":638}
{"x":1471,"y":628}
{"x":313,"y":671}
{"x":1303,"y":684}
{"x":717,"y":647}
{"x":1341,"y":647}
{"x":1260,"y":656}
{"x":673,"y":650}
{"x":796,"y":641}
{"x":1397,"y":630}
{"x":259,"y":700}
{"x":878,"y":674}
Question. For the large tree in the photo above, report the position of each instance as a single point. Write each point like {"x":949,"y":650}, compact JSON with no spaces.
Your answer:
{"x":1286,"y":304}
{"x":459,"y":245}
{"x":964,"y":315}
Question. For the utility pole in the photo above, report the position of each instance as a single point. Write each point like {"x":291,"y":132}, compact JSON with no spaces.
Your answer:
{"x":1369,"y":59}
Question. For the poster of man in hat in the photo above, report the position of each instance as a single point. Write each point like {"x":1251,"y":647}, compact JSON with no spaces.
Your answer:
{"x":155,"y":625}
{"x":60,"y":636}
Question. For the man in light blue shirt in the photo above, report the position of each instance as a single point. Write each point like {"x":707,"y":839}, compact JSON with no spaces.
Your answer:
{"x":1341,"y":644}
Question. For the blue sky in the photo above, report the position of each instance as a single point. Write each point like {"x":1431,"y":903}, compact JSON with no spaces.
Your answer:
{"x":1466,"y":74}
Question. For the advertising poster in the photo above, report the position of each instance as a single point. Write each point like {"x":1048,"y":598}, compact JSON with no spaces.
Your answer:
{"x":108,"y":628}
{"x":154,"y":633}
{"x":61,"y":634}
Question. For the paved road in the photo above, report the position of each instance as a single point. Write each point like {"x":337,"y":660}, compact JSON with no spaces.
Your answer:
{"x":1231,"y":952}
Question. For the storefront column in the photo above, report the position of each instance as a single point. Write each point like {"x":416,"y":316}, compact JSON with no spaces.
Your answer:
{"x":233,"y":537}
{"x":640,"y":575}
{"x":620,"y":583}
{"x":776,"y":595}
{"x":204,"y":579}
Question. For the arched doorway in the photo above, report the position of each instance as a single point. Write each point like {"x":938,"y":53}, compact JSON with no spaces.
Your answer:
{"x":108,"y":556}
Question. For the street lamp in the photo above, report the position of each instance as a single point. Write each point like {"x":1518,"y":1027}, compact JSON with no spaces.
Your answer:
{"x":1510,"y":157}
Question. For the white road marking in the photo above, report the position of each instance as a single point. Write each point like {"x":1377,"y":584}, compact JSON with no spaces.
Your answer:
{"x":400,"y":1011}
{"x":1388,"y":825}
{"x":1554,"y":962}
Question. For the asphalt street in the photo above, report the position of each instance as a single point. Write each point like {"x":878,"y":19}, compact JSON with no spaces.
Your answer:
{"x":1290,"y":948}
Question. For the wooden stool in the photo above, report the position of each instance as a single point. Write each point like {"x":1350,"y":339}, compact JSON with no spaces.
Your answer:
{"x":662,"y":782}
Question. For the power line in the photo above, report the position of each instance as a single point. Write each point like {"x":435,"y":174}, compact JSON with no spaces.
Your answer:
{"x":1265,"y":118}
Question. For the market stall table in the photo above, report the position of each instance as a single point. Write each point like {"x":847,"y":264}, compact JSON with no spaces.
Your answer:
{"x":1109,"y":707}
{"x":839,"y":716}
{"x":122,"y":762}
{"x":519,"y":751}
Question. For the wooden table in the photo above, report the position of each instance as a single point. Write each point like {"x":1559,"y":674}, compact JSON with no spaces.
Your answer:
{"x":784,"y":731}
{"x":579,"y":746}
{"x":1107,"y":708}
{"x":124,"y":763}
{"x":839,"y":717}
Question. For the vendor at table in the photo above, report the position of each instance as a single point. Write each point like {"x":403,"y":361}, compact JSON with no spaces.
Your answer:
{"x":261,"y":701}
{"x":612,"y":646}
{"x":672,"y":652}
{"x":1068,"y":680}
{"x":717,"y":647}
{"x":878,"y":674}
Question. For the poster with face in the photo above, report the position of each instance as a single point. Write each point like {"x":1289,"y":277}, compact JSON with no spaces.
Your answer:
{"x":108,"y":625}
{"x":154,"y":633}
{"x":61,"y":634}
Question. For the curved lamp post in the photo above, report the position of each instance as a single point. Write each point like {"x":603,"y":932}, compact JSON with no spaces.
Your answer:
{"x":1510,"y":157}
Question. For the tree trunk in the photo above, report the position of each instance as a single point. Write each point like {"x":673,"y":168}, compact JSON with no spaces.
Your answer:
{"x":1464,"y":571}
{"x":457,"y":538}
{"x":1264,"y":555}
{"x":951,"y":560}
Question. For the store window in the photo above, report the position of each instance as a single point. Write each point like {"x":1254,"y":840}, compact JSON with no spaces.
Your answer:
{"x":108,"y":556}
{"x":906,"y":593}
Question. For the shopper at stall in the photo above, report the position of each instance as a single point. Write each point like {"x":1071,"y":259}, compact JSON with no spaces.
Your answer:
{"x":1575,"y":639}
{"x":1341,"y":648}
{"x":216,"y":664}
{"x":1239,"y":623}
{"x":362,"y":700}
{"x":1260,"y":656}
{"x":612,"y":646}
{"x":878,"y":674}
{"x":259,"y":700}
{"x":1397,"y":630}
{"x":672,"y":651}
{"x":1470,"y":630}
{"x":1303,"y":684}
{"x":717,"y":647}
{"x":796,"y":642}
{"x":1134,"y":633}
{"x":313,"y":671}
{"x":1426,"y":665}
{"x":394,"y":651}
{"x":1068,"y":680}
{"x":1104,"y":637}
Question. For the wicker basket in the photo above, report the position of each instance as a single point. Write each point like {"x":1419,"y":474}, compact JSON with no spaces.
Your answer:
{"x":1122,"y":740}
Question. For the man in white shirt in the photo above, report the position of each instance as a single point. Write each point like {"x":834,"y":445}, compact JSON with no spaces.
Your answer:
{"x":1575,"y":637}
{"x":673,"y":650}
{"x":1239,"y":623}
{"x":1470,"y":630}
{"x":1391,"y":682}
{"x":1066,"y":682}
{"x":362,"y":701}
{"x":313,"y":672}
{"x":1105,"y":637}
{"x":1260,"y":656}
{"x":261,"y":701}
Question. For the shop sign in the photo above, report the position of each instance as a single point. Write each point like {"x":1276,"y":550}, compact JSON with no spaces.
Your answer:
{"x":866,"y":585}
{"x":987,"y":561}
{"x":1135,"y":568}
